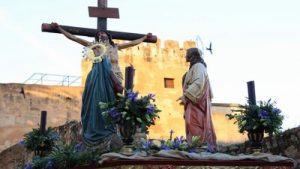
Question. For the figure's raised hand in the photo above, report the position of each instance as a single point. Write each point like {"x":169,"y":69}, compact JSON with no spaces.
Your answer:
{"x":149,"y":35}
{"x":54,"y":25}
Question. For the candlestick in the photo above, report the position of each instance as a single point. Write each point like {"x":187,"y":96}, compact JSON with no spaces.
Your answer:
{"x":251,"y":92}
{"x":43,"y":121}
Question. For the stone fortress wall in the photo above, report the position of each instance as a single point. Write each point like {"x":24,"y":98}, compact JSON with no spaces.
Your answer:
{"x":21,"y":104}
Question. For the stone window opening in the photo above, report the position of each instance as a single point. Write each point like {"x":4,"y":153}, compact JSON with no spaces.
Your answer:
{"x":169,"y":82}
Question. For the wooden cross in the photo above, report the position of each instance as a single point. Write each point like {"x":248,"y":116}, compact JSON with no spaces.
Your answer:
{"x":102,"y":13}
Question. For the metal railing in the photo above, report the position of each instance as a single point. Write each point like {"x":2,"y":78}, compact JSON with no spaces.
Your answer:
{"x":53,"y":79}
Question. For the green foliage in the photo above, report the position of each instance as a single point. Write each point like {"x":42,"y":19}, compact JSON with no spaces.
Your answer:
{"x":36,"y":141}
{"x":264,"y":116}
{"x":68,"y":156}
{"x":59,"y":156}
{"x":63,"y":157}
{"x":196,"y":141}
{"x":130,"y":110}
{"x":42,"y":163}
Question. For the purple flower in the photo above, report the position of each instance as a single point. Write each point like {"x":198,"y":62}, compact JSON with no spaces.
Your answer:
{"x":210,"y":148}
{"x":113,"y":112}
{"x":165,"y":147}
{"x":79,"y":147}
{"x":263,"y":114}
{"x":28,"y":166}
{"x":49,"y":165}
{"x":177,"y":142}
{"x":150,"y":109}
{"x":151,"y":96}
{"x":276,"y":111}
{"x":132,"y":96}
{"x":147,"y":145}
{"x":193,"y":150}
{"x":22,"y":142}
{"x":55,"y":136}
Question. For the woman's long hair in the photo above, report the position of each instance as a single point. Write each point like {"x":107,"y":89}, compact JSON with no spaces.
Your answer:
{"x":111,"y":42}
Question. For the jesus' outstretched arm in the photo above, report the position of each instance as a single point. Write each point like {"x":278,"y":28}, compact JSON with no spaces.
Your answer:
{"x":134,"y":42}
{"x":69,"y":35}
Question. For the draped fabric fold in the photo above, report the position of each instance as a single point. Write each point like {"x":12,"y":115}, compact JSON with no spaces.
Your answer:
{"x":197,"y":115}
{"x":98,"y":88}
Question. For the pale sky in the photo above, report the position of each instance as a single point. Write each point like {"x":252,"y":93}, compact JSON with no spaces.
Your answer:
{"x":252,"y":40}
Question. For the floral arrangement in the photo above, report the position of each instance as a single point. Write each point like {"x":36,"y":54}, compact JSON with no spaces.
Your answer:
{"x":55,"y":153}
{"x":131,"y":110}
{"x":179,"y":143}
{"x":63,"y":156}
{"x":40,"y":142}
{"x":262,"y":117}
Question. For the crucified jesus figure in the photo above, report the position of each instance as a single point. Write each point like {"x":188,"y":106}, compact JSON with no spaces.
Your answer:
{"x":100,"y":87}
{"x":104,"y":37}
